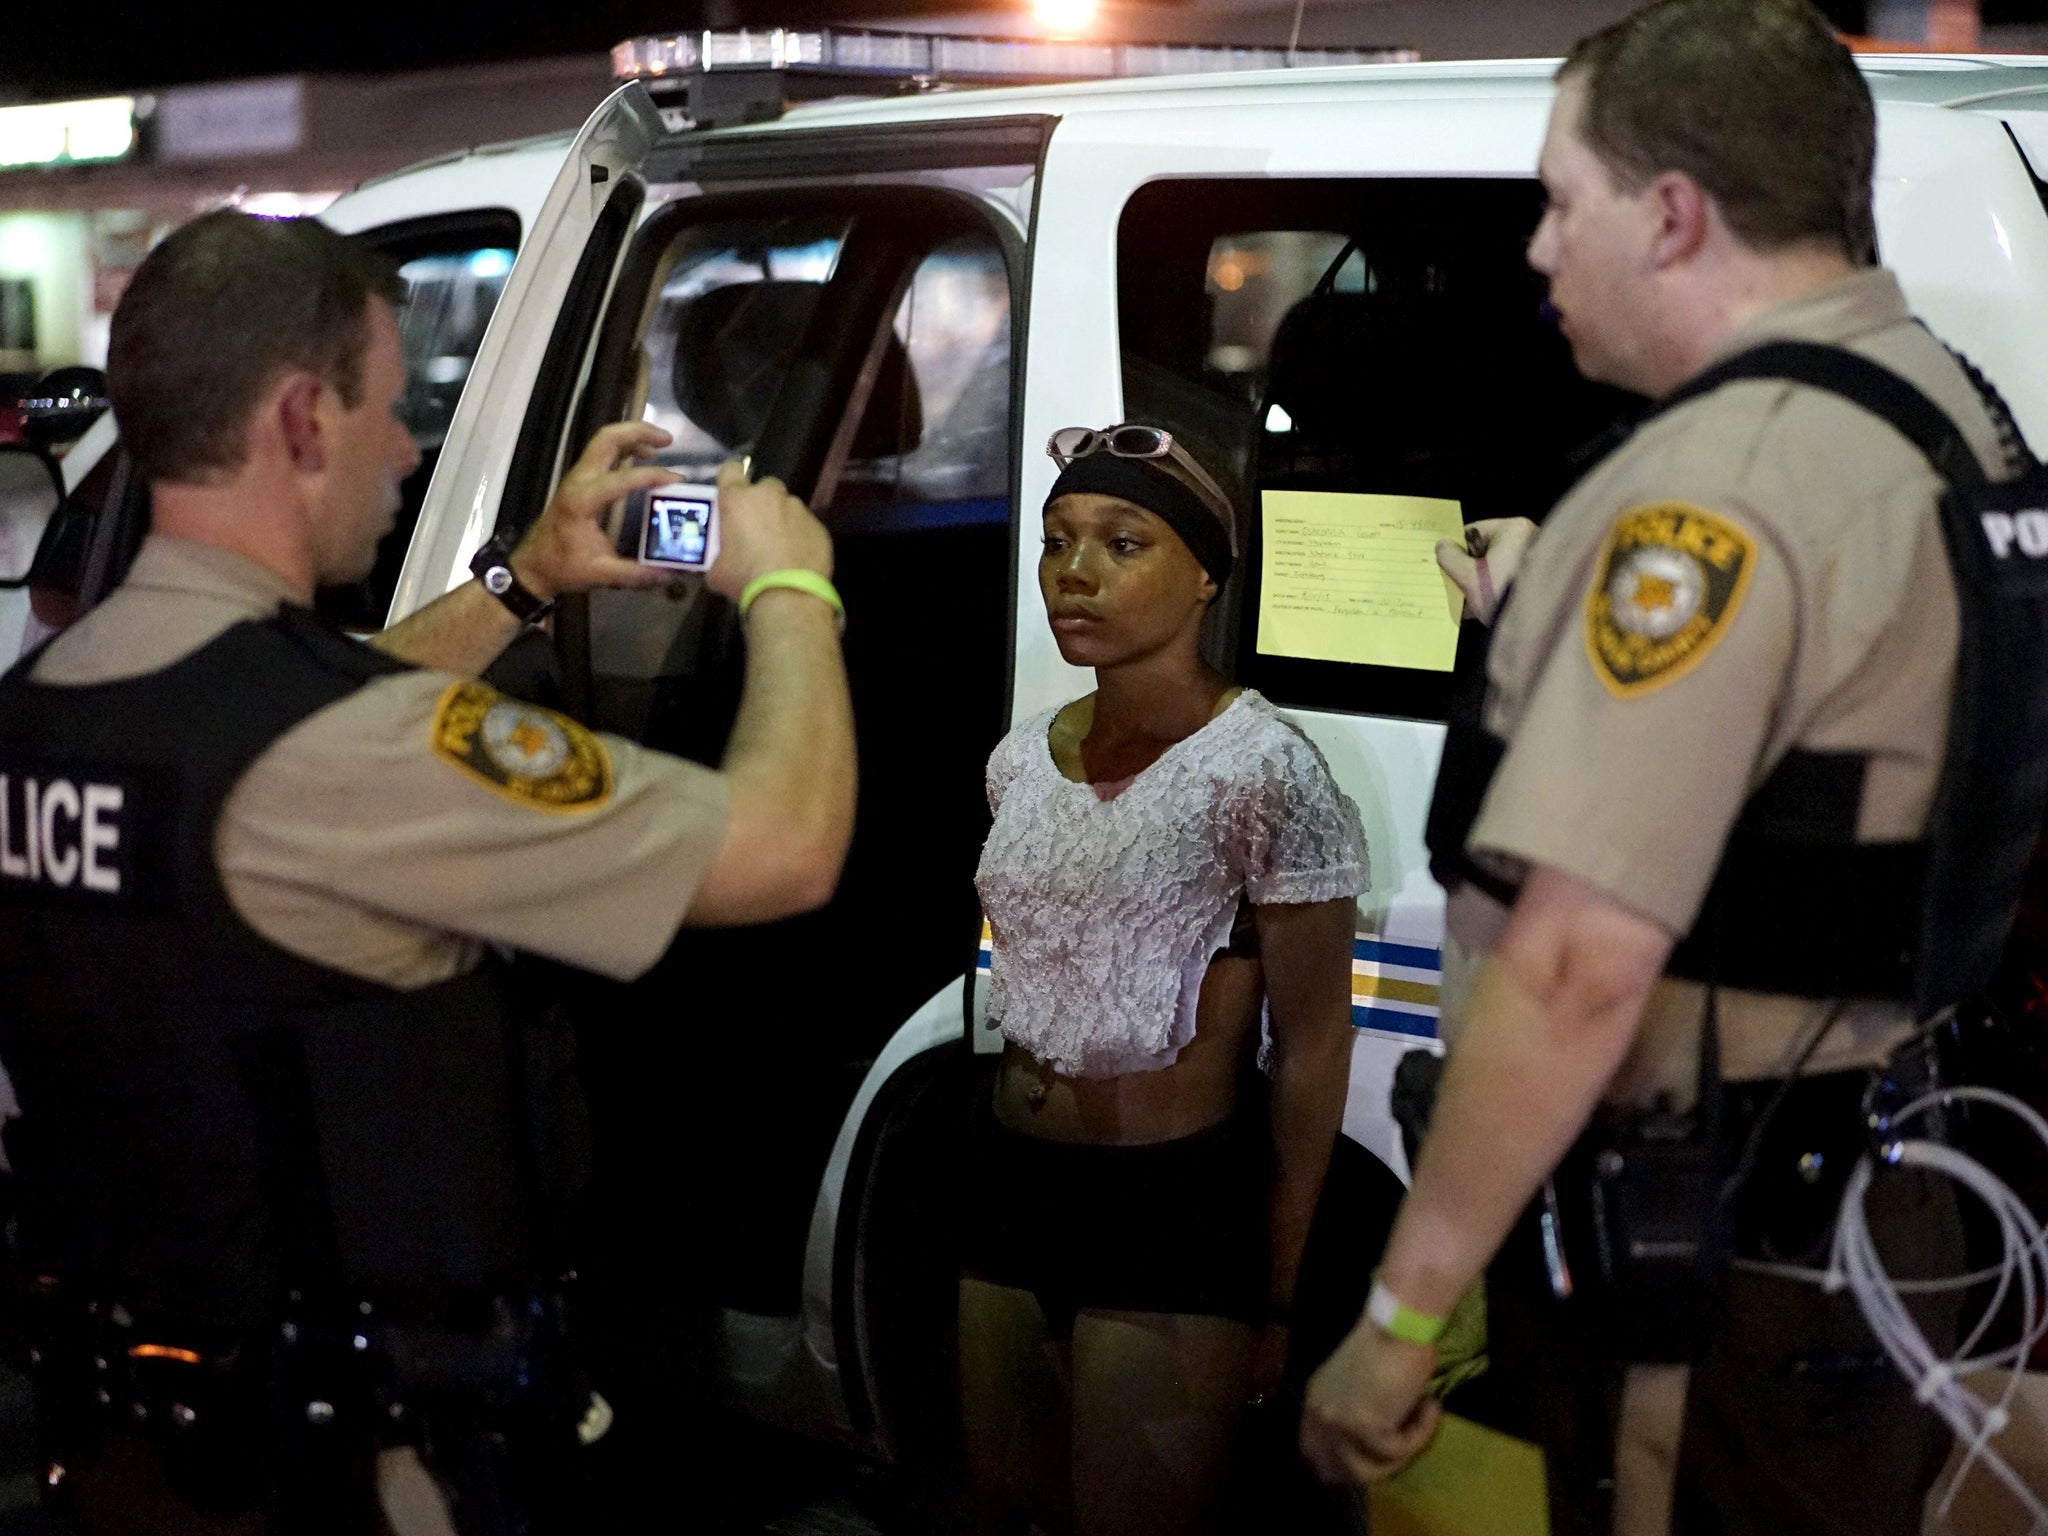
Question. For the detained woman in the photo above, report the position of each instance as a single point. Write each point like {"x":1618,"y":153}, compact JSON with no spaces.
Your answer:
{"x":1171,"y":883}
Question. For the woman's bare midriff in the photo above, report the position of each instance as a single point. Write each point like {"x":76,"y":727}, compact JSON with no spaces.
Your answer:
{"x":1198,"y":1091}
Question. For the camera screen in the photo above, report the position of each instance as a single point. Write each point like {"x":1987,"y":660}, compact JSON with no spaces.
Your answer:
{"x":677,"y":531}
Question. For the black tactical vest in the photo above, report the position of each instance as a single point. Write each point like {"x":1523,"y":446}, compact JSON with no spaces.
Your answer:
{"x":209,"y":1122}
{"x":1797,"y":905}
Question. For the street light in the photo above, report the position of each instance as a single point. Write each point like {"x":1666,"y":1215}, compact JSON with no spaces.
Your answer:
{"x":1064,"y":18}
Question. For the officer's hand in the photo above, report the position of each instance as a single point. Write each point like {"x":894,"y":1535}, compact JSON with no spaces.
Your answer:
{"x":1368,"y":1411}
{"x":567,"y":549}
{"x":1486,"y":564}
{"x":762,"y":528}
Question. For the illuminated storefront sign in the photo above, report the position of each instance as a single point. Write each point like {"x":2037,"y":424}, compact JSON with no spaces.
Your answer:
{"x":67,"y":132}
{"x":245,"y":117}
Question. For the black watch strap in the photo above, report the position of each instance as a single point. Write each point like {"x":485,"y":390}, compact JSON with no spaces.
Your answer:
{"x":493,"y":567}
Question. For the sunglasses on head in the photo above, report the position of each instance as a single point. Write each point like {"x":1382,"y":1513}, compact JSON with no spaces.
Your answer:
{"x":1130,"y":440}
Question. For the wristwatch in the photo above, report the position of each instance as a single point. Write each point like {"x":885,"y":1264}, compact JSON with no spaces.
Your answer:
{"x":493,"y":567}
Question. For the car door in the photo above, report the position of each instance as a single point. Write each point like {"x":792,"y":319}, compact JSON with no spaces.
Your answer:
{"x":554,"y":289}
{"x":837,"y":303}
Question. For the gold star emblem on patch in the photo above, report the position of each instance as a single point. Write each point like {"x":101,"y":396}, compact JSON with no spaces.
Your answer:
{"x":528,"y":738}
{"x":1670,"y":581}
{"x":1654,"y":592}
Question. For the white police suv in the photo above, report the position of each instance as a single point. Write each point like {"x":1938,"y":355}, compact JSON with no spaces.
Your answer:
{"x":891,"y":302}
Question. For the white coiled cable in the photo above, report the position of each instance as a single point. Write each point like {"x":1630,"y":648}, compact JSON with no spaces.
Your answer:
{"x":1854,"y":1263}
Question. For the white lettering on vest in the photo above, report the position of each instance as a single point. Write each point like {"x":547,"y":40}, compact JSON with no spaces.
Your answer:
{"x":102,"y":834}
{"x":64,"y":832}
{"x":60,"y":796}
{"x":2033,"y":532}
{"x":13,"y":866}
{"x":1999,"y":530}
{"x":28,"y":828}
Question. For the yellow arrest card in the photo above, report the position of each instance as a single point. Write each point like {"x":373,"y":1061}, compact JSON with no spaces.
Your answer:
{"x":1354,"y":578}
{"x":1471,"y":1479}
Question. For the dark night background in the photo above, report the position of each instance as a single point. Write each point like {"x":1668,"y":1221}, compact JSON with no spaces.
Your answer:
{"x":52,"y":50}
{"x":67,"y":48}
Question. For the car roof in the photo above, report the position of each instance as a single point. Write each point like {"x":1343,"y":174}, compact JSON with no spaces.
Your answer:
{"x":1922,"y":79}
{"x":1941,"y":80}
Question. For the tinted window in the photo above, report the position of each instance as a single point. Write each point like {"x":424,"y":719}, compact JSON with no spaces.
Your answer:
{"x":1358,"y":336}
{"x":727,"y":324}
{"x":933,"y":432}
{"x":940,"y":445}
{"x":448,"y":301}
{"x":927,"y":450}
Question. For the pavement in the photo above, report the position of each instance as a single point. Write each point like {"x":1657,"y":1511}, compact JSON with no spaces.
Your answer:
{"x":784,"y":1486}
{"x":19,"y":1514}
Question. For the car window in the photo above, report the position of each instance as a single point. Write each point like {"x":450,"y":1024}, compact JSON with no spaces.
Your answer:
{"x":726,"y":326}
{"x":944,"y":453}
{"x":934,"y":431}
{"x":928,"y":450}
{"x":454,"y":271}
{"x":1380,"y":337}
{"x":449,"y":297}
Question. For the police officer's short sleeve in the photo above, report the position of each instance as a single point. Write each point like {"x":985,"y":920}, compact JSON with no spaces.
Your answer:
{"x":1648,"y":719}
{"x":438,"y":801}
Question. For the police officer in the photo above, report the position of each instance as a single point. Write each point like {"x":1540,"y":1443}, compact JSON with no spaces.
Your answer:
{"x":257,"y":875}
{"x":1745,"y":609}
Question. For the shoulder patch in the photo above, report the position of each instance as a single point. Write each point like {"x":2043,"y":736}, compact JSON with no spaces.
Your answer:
{"x":1670,"y":581}
{"x":529,"y":755}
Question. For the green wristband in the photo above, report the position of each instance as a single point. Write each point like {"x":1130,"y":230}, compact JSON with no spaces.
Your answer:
{"x":1395,"y":1318}
{"x":797,"y":579}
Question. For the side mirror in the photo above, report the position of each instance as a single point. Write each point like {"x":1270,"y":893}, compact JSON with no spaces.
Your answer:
{"x":31,"y":491}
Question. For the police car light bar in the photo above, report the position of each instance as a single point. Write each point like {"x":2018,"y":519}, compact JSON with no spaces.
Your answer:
{"x":907,"y":57}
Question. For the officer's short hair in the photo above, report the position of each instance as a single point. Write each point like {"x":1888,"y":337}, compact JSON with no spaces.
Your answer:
{"x":1756,"y":100}
{"x":216,"y":314}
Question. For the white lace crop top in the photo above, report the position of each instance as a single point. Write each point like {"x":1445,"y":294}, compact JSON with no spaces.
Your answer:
{"x":1106,"y":913}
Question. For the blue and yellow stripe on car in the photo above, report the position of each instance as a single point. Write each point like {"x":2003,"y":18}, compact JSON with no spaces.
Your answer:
{"x":1394,"y":987}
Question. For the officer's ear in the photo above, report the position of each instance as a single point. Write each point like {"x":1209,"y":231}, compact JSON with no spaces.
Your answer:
{"x":1682,"y":218}
{"x":295,"y":405}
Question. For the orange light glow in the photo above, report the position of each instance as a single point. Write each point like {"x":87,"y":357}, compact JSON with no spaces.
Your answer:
{"x":1064,"y":18}
{"x":163,"y":1352}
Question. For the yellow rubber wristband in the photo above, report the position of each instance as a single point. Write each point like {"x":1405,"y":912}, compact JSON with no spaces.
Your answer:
{"x":796,"y":579}
{"x":1395,"y":1318}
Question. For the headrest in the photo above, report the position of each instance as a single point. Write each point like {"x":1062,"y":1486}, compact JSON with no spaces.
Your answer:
{"x":734,"y":346}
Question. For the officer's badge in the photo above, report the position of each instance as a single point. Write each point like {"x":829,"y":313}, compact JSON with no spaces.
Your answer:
{"x":525,"y":753}
{"x":1670,"y":581}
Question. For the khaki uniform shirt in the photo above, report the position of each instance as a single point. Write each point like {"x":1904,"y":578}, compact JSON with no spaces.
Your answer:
{"x":386,"y":835}
{"x":1757,"y":570}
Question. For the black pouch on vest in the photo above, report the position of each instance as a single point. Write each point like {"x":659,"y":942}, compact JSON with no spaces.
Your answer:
{"x":1642,"y":1193}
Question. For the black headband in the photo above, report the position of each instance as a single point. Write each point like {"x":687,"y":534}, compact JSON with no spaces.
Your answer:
{"x":1165,"y":495}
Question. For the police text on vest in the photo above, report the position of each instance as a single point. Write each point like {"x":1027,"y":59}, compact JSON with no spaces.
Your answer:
{"x":2027,"y":529}
{"x":61,"y":832}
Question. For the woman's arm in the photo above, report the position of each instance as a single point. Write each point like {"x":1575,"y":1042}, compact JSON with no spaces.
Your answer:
{"x":1306,"y":951}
